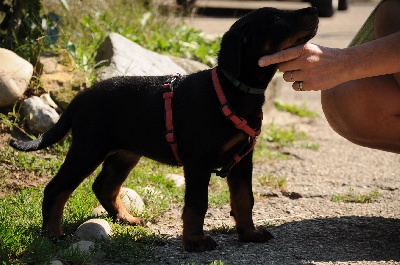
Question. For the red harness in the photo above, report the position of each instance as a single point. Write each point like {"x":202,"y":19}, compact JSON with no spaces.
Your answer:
{"x":229,"y":113}
{"x":168,"y":95}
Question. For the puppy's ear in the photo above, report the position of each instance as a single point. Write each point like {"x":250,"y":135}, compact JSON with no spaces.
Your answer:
{"x":230,"y":52}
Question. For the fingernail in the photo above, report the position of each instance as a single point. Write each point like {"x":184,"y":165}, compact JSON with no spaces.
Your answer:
{"x":261,"y":62}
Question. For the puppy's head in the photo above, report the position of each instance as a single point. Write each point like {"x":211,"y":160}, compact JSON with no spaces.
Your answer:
{"x":261,"y":32}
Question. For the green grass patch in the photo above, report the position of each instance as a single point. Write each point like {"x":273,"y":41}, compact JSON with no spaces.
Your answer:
{"x":301,"y":110}
{"x":353,"y":196}
{"x":311,"y":146}
{"x":224,"y":229}
{"x":273,"y":139}
{"x":277,"y":183}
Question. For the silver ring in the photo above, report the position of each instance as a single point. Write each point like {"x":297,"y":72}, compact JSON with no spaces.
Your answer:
{"x":291,"y":76}
{"x":300,"y":86}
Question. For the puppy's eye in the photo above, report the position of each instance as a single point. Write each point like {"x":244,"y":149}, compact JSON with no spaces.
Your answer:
{"x":276,"y":18}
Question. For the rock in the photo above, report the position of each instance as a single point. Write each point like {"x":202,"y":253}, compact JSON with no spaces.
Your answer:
{"x":63,"y":96}
{"x":49,"y":101}
{"x":177,"y":179}
{"x":124,"y":57}
{"x":93,"y":229}
{"x":132,"y":201}
{"x":15,"y":74}
{"x":39,"y":117}
{"x":60,"y":78}
{"x":82,"y":246}
{"x":190,"y":66}
{"x":54,"y":62}
{"x":99,"y":211}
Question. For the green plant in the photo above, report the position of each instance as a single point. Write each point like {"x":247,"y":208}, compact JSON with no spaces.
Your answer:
{"x":136,"y":243}
{"x":311,"y":146}
{"x":218,"y":192}
{"x":273,"y":139}
{"x":274,"y":182}
{"x":20,"y":26}
{"x":355,"y":197}
{"x":12,"y":120}
{"x":224,"y":229}
{"x":301,"y":111}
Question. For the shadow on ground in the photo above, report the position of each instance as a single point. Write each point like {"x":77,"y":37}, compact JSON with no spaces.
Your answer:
{"x":349,"y":238}
{"x":332,"y":239}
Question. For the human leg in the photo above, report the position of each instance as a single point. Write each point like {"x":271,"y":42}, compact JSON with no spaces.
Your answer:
{"x":367,"y":111}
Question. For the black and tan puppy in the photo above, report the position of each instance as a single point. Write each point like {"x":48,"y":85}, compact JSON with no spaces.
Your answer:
{"x":119,"y":120}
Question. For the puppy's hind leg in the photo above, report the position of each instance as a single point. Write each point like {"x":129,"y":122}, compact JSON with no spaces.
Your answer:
{"x":108,"y":185}
{"x":242,"y":201}
{"x":78,"y":164}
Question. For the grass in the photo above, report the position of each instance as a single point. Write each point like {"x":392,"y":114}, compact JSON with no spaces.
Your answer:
{"x":273,"y":139}
{"x":355,"y":197}
{"x":301,"y":110}
{"x":274,"y":182}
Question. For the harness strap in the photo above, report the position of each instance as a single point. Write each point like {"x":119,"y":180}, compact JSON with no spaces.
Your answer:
{"x":168,"y":95}
{"x":240,"y":123}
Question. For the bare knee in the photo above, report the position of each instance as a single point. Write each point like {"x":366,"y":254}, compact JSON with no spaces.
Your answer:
{"x":335,"y":115}
{"x":351,"y":114}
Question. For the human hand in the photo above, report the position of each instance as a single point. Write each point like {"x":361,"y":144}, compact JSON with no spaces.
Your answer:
{"x":309,"y":66}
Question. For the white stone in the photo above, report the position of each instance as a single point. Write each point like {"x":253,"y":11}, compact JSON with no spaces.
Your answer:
{"x":15,"y":74}
{"x":177,"y":179}
{"x":124,"y":57}
{"x":49,"y":101}
{"x":83,"y":246}
{"x":39,"y":116}
{"x":93,"y":229}
{"x":132,"y":201}
{"x":99,"y":211}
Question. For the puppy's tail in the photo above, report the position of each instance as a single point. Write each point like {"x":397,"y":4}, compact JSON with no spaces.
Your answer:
{"x":52,"y":136}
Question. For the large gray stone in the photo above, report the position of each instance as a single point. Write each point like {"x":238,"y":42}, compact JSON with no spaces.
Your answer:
{"x":39,"y":117}
{"x":124,"y":57}
{"x":15,"y":74}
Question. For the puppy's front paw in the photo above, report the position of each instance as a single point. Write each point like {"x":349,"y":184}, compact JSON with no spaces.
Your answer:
{"x":199,"y":243}
{"x":257,"y":235}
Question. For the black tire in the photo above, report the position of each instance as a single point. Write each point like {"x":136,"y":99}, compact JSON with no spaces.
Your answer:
{"x":325,"y":7}
{"x":343,"y":5}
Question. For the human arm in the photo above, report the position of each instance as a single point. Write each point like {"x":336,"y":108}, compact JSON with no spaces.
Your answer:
{"x":321,"y":68}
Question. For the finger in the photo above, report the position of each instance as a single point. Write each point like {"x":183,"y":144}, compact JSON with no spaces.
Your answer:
{"x":299,"y":86}
{"x":290,"y":76}
{"x":281,"y":56}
